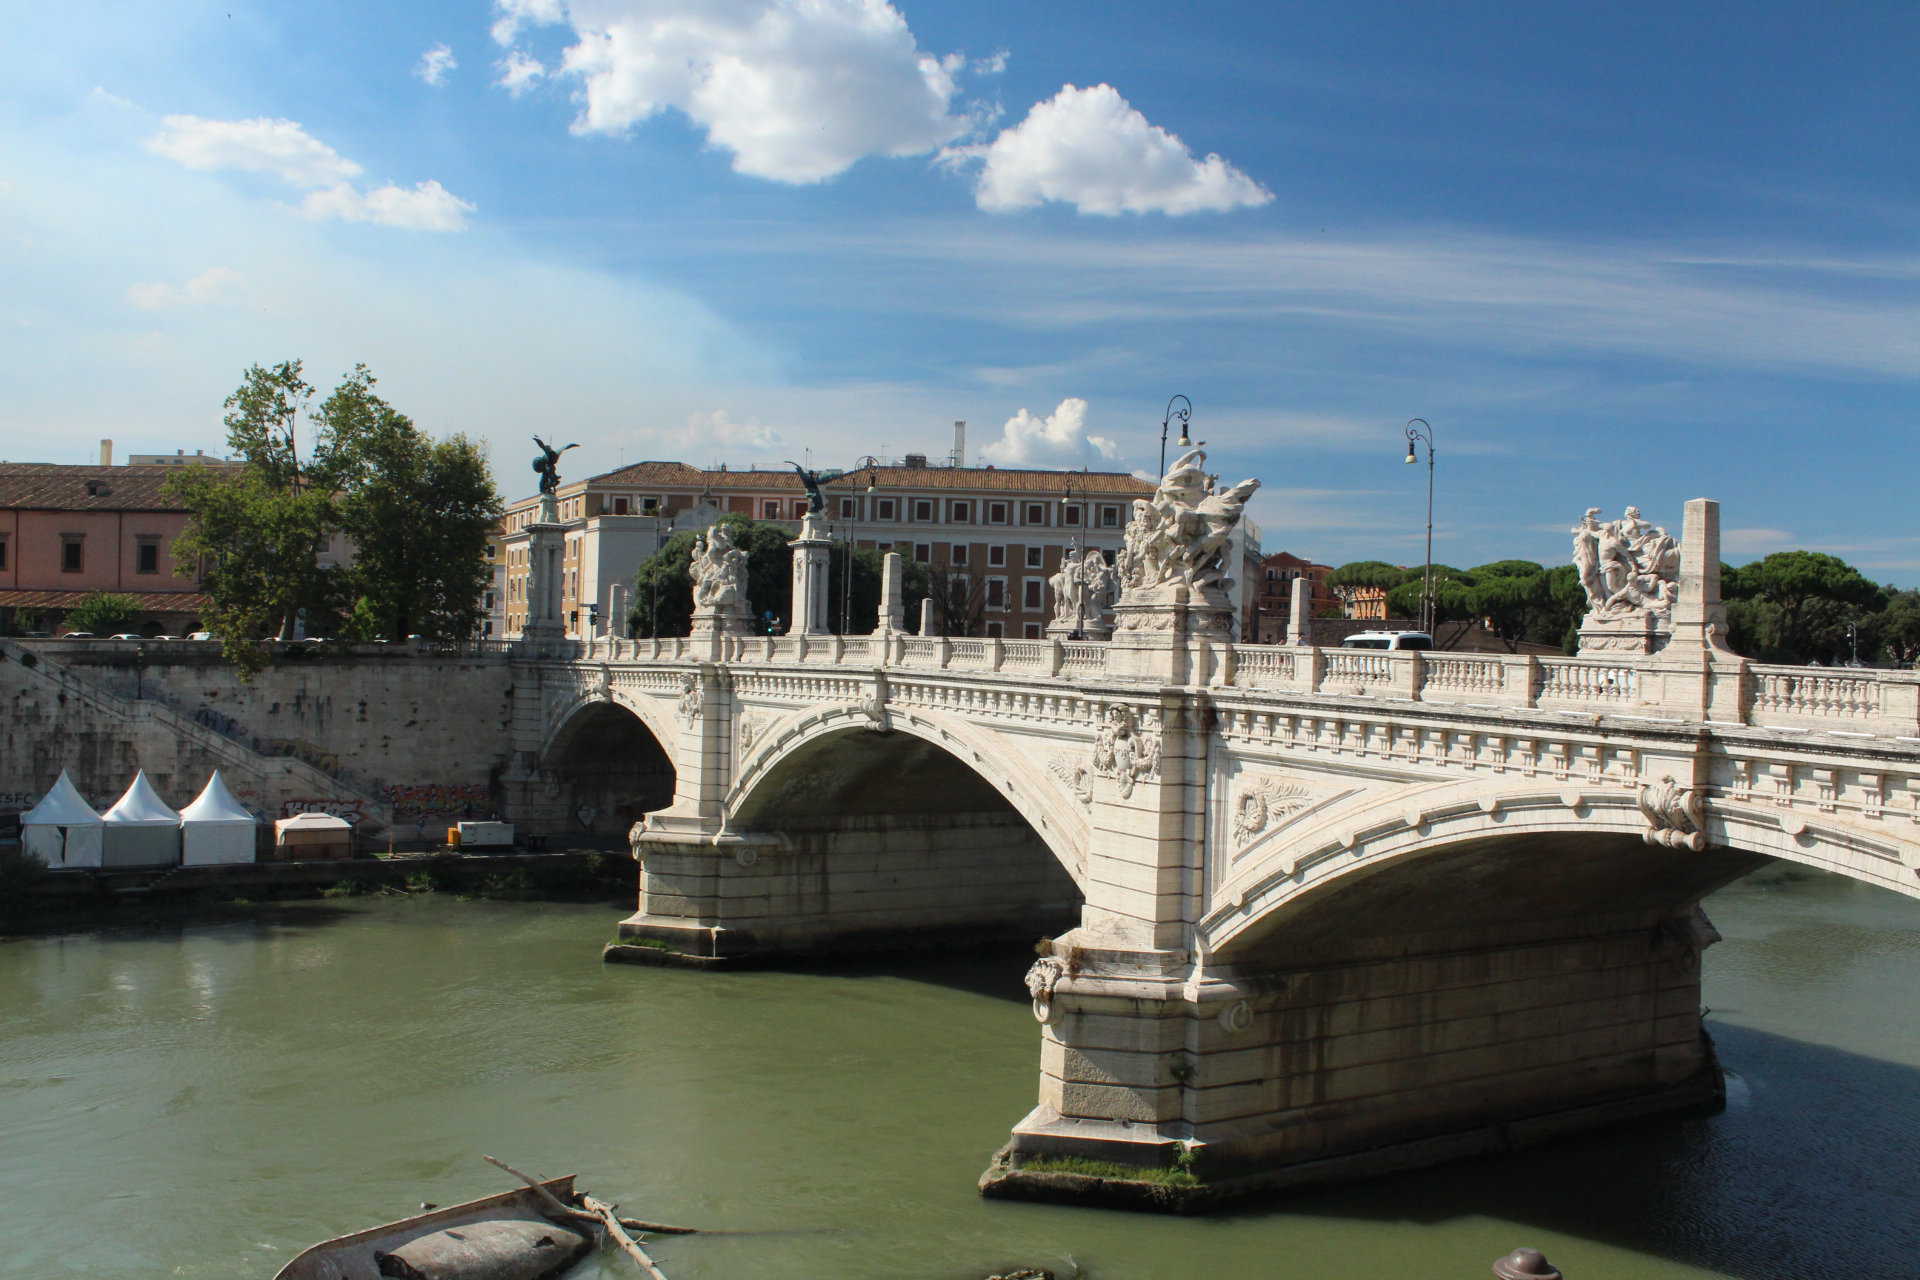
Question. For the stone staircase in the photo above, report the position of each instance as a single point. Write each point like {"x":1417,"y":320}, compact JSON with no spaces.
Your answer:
{"x":272,"y":778}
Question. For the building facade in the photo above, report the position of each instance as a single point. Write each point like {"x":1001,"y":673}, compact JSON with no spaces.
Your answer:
{"x":69,"y":531}
{"x":1276,"y":576}
{"x":1000,"y":532}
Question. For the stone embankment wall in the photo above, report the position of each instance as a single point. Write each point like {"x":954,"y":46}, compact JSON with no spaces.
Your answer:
{"x":380,"y":734}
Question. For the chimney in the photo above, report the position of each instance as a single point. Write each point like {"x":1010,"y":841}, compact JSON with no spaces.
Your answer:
{"x":959,"y":444}
{"x":106,"y":453}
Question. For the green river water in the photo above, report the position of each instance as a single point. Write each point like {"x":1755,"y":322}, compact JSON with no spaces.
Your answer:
{"x":208,"y":1098}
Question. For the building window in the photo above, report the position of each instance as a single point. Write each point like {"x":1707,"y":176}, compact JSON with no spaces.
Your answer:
{"x":849,"y":508}
{"x":923,"y":552}
{"x":962,"y":513}
{"x":489,"y":600}
{"x":959,"y":555}
{"x":619,"y":506}
{"x":1036,"y":557}
{"x":73,"y":557}
{"x":770,"y":510}
{"x":1036,"y":513}
{"x":996,"y":513}
{"x":995,"y":630}
{"x":1030,"y":630}
{"x":996,"y":593}
{"x":1033,"y":589}
{"x":493,"y":551}
{"x":996,"y":557}
{"x":800,"y":510}
{"x":1070,"y":515}
{"x":3,"y":553}
{"x":923,"y":510}
{"x":147,"y":556}
{"x":887,"y":509}
{"x":649,"y":506}
{"x":1109,"y":517}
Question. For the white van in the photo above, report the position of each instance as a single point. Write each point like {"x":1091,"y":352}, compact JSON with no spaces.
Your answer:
{"x":1388,"y":640}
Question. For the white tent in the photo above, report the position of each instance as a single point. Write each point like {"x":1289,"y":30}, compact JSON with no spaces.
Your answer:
{"x":217,"y":828}
{"x":62,"y":830}
{"x":141,"y":831}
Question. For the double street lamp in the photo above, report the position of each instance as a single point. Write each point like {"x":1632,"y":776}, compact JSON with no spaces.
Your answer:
{"x":1419,"y":430}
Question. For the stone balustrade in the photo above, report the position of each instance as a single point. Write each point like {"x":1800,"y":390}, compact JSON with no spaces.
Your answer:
{"x":1877,"y":702}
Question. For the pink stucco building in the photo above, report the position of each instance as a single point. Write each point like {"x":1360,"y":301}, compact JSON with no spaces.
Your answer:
{"x":66,"y":531}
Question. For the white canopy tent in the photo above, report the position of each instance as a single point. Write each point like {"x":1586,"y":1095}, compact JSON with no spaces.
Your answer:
{"x":217,"y":828}
{"x":62,"y":830}
{"x":141,"y":831}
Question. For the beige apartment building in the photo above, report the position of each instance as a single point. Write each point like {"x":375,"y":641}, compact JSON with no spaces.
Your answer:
{"x":1003,"y":529}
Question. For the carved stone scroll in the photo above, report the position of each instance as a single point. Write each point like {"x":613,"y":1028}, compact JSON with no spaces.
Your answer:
{"x":1675,"y":817}
{"x":1263,"y":803}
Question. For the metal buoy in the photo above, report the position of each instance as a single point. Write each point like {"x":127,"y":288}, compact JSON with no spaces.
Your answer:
{"x":1525,"y":1264}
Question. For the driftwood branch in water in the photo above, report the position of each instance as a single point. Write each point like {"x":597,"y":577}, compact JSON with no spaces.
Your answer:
{"x":657,"y":1228}
{"x":553,"y":1202}
{"x":627,"y":1242}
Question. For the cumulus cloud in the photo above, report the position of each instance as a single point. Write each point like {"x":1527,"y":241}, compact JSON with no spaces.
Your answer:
{"x":797,"y":90}
{"x":518,"y":72}
{"x":283,"y":148}
{"x":434,"y":65}
{"x":1091,"y":149}
{"x":1058,"y":440}
{"x":428,"y":206}
{"x":279,"y":147}
{"x":217,"y":284}
{"x":715,"y":428}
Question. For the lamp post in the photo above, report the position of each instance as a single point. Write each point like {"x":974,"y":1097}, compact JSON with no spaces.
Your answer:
{"x":866,"y":464}
{"x":1416,"y":434}
{"x":1183,"y":415}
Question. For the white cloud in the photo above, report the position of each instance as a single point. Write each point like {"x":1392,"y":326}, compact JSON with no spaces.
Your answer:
{"x":108,"y":99}
{"x":515,"y":14}
{"x":1058,"y":440}
{"x":1090,"y":149}
{"x":282,"y":147}
{"x":434,"y":65}
{"x":427,"y":207}
{"x":713,"y":429}
{"x":216,"y":284}
{"x":797,"y":90}
{"x":518,"y":72}
{"x":279,"y":147}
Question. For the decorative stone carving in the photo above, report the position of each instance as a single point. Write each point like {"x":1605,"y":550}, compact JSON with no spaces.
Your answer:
{"x":1041,"y":980}
{"x":1675,"y":817}
{"x":693,"y":697}
{"x":1631,"y":573}
{"x":1126,"y":749}
{"x":746,"y":732}
{"x":1236,"y":1017}
{"x":1069,"y":590}
{"x":719,"y":572}
{"x":873,"y":705}
{"x":1075,"y":777}
{"x":1180,"y":535}
{"x":1263,"y":803}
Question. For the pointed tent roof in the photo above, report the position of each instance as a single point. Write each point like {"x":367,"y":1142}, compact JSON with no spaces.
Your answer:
{"x":215,"y":804}
{"x":141,"y":806}
{"x":62,"y":806}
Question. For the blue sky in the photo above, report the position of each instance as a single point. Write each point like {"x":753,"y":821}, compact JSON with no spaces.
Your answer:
{"x":1633,"y":255}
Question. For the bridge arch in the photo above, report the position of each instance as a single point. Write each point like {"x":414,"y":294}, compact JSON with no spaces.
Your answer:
{"x":607,"y":764}
{"x":1468,"y":855}
{"x":775,"y":751}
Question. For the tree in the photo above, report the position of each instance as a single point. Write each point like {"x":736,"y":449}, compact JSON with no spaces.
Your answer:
{"x":663,"y":587}
{"x":104,"y":614}
{"x":959,"y":599}
{"x":868,"y":567}
{"x":1899,"y":628}
{"x":254,"y":536}
{"x":1795,"y":606}
{"x":417,"y":510}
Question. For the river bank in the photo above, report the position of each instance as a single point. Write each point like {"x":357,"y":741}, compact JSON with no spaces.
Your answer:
{"x":224,"y":1092}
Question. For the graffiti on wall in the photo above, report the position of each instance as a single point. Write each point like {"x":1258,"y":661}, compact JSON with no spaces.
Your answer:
{"x":422,"y":801}
{"x":21,"y":800}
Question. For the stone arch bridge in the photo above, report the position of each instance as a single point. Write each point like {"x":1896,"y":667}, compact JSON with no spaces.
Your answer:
{"x":1317,"y":913}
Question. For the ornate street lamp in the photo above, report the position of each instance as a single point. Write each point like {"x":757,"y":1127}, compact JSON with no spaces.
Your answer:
{"x":1183,"y":415}
{"x":1423,"y":432}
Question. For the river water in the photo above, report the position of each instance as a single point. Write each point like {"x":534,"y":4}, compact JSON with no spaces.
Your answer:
{"x":206,"y":1099}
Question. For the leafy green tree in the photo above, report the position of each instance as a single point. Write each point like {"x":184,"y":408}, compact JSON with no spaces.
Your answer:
{"x":104,"y":614}
{"x":1898,"y":631}
{"x":663,"y":587}
{"x":868,"y":566}
{"x":1453,"y":598}
{"x":1795,"y":606}
{"x":417,"y":510}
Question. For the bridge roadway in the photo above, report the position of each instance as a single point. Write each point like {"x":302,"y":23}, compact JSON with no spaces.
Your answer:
{"x":1319,"y":913}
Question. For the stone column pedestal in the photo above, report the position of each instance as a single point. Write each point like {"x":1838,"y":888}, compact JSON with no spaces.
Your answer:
{"x":1158,"y":630}
{"x":812,"y":553}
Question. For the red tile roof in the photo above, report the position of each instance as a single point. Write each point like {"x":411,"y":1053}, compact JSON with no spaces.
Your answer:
{"x":670,"y":475}
{"x":48,"y":486}
{"x":151,"y":601}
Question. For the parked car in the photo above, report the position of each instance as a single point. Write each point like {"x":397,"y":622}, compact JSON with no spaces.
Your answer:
{"x":126,"y":635}
{"x":78,"y":635}
{"x":199,"y":635}
{"x":1388,"y":640}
